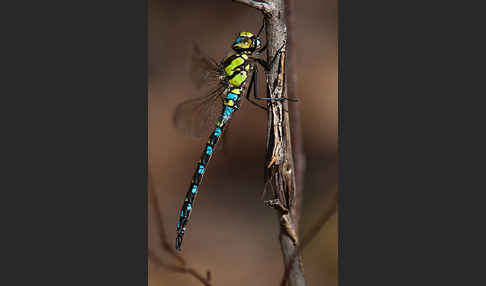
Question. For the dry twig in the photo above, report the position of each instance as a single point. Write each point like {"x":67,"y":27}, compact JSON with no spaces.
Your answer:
{"x":279,"y":169}
{"x":321,"y":222}
{"x":182,"y":266}
{"x":295,"y":121}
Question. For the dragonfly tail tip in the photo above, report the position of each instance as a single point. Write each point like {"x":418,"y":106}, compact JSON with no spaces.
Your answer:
{"x":178,"y":242}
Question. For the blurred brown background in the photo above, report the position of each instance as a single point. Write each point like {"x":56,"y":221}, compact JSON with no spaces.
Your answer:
{"x":231,"y":232}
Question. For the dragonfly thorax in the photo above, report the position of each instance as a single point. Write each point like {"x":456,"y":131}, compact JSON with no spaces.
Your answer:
{"x":236,"y":68}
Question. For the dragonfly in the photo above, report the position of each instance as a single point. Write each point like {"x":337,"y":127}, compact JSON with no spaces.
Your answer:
{"x":212,"y":112}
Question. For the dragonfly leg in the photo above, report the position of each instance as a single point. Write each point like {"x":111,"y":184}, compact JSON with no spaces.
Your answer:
{"x":254,"y":85}
{"x":260,"y":51}
{"x":267,"y":66}
{"x":255,"y":72}
{"x":261,"y":28}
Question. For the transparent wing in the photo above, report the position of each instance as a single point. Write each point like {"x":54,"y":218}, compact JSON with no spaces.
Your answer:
{"x":197,"y":117}
{"x":204,"y":70}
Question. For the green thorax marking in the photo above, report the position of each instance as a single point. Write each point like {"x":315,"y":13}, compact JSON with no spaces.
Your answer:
{"x":235,"y":63}
{"x":239,"y":78}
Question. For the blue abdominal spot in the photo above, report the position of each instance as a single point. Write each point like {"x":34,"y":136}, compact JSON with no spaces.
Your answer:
{"x":194,"y":189}
{"x":228,"y":110}
{"x":209,"y":150}
{"x":201,"y":169}
{"x":217,"y":132}
{"x":232,"y":96}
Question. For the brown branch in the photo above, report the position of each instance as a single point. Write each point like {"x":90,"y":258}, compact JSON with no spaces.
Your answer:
{"x":179,"y":269}
{"x":182,"y":268}
{"x":279,"y":166}
{"x":295,"y":121}
{"x":264,"y":6}
{"x":312,"y":233}
{"x":153,"y":199}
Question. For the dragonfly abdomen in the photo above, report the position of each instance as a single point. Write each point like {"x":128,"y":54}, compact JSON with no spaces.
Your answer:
{"x":230,"y":105}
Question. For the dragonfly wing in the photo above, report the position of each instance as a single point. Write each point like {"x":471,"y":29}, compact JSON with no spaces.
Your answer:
{"x":204,"y":70}
{"x":197,"y":117}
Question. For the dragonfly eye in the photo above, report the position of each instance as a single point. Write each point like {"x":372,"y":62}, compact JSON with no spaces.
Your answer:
{"x":258,"y":43}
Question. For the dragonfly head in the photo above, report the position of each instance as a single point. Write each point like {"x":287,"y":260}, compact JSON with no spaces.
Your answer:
{"x":246,"y":42}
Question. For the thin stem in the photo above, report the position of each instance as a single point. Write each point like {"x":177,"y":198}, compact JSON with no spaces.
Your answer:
{"x":264,"y":6}
{"x":159,"y":221}
{"x":279,"y":166}
{"x":183,"y":268}
{"x":295,"y":119}
{"x":312,"y":233}
{"x":180,"y":269}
